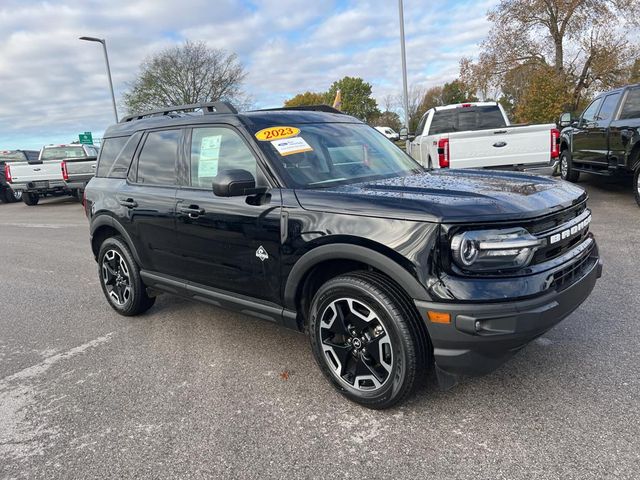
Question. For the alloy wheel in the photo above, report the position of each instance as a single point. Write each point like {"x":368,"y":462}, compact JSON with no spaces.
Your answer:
{"x":356,"y":344}
{"x":564,"y":166}
{"x":115,"y":275}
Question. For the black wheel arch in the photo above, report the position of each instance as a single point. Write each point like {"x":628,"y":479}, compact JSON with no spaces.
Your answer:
{"x":105,"y":226}
{"x":347,"y":257}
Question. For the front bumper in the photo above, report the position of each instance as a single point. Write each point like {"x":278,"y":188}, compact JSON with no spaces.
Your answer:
{"x":482,"y":336}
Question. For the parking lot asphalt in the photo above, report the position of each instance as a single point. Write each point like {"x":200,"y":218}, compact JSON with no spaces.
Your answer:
{"x":191,"y":391}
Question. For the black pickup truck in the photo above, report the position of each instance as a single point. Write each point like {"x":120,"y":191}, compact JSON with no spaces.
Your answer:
{"x":605,"y":139}
{"x":313,"y":220}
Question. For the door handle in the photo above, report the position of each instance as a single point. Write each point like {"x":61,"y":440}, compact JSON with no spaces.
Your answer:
{"x":129,"y":203}
{"x":192,"y":211}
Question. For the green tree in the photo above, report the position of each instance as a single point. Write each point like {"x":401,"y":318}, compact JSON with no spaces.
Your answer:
{"x":356,"y":98}
{"x":186,"y":74}
{"x":307,"y":98}
{"x":457,"y":92}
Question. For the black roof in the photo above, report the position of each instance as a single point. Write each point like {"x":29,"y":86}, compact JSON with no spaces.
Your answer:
{"x":254,"y":120}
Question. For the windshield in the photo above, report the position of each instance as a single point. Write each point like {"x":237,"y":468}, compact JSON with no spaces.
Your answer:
{"x":62,"y":152}
{"x":326,"y":154}
{"x":12,"y":156}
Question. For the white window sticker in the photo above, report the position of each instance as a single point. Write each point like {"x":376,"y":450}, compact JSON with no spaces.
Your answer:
{"x":289,"y":146}
{"x":209,"y":156}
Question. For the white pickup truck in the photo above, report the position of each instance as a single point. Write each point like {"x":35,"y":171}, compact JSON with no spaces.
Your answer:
{"x":479,"y":135}
{"x":60,"y":169}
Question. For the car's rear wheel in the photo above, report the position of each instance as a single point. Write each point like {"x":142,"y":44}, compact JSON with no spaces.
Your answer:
{"x":30,"y":198}
{"x":566,"y":167}
{"x":365,"y":339}
{"x":120,"y":279}
{"x":14,"y":195}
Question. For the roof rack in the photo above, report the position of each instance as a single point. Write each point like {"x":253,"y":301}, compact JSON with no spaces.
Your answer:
{"x":313,"y":108}
{"x":208,"y":108}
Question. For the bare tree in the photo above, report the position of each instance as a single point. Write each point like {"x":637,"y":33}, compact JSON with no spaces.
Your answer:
{"x":186,"y":74}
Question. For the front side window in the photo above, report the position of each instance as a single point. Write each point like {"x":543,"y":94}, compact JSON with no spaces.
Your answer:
{"x":589,"y":114}
{"x":326,"y":154}
{"x":608,"y":107}
{"x":157,"y":160}
{"x":214,"y":149}
{"x":631,"y":107}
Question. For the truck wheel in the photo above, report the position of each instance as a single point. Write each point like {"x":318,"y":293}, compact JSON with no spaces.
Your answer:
{"x":14,"y":195}
{"x":365,"y":338}
{"x":30,"y":198}
{"x":120,"y":279}
{"x":566,"y":168}
{"x":636,"y":185}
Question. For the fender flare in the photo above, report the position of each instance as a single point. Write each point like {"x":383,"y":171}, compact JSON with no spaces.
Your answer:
{"x":342,"y":251}
{"x":109,"y":221}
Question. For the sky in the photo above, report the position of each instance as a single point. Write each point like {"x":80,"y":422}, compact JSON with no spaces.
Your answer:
{"x":54,"y":86}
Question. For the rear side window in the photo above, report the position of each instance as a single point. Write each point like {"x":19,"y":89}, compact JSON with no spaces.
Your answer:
{"x":463,"y":119}
{"x":157,"y":160}
{"x":631,"y":108}
{"x":120,"y":167}
{"x":608,"y":107}
{"x":110,"y":150}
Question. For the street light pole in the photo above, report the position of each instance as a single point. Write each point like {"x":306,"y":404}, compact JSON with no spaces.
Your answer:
{"x":106,"y":59}
{"x":404,"y":67}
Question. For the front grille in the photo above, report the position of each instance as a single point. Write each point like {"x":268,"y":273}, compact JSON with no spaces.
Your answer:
{"x":567,"y":276}
{"x":550,"y":228}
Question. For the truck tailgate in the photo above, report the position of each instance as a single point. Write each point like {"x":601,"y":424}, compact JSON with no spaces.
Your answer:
{"x":80,"y":168}
{"x":529,"y":144}
{"x":27,"y":172}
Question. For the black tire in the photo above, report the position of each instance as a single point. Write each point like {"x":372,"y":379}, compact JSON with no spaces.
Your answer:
{"x":121,"y":282}
{"x":12,"y":196}
{"x":566,"y":167}
{"x":30,"y":198}
{"x":636,"y":184}
{"x":375,"y":374}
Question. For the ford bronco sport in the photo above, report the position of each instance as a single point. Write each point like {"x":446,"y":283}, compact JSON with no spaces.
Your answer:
{"x":309,"y":218}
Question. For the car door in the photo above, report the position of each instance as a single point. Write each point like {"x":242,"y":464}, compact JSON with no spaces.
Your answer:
{"x":416,"y":144}
{"x":149,"y":197}
{"x":584,"y":141}
{"x":227,"y":243}
{"x":599,"y":136}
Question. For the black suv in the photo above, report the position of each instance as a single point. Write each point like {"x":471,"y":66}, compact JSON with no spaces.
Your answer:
{"x":312,"y":219}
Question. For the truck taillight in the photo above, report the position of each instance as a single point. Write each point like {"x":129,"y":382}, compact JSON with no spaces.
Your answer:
{"x":555,"y":143}
{"x":443,"y":152}
{"x":65,"y":173}
{"x":7,"y":172}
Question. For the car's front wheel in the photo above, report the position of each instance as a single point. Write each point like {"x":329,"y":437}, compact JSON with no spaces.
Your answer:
{"x":365,"y":337}
{"x":120,"y":279}
{"x":566,"y":168}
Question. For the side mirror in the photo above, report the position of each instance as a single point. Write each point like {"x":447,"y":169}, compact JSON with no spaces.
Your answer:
{"x":565,"y":120}
{"x":404,"y":133}
{"x":234,"y":183}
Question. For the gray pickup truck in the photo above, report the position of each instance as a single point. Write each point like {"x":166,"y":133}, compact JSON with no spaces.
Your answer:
{"x":60,"y":170}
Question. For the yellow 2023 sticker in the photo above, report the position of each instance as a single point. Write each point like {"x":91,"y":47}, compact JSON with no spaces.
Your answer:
{"x":276,"y":133}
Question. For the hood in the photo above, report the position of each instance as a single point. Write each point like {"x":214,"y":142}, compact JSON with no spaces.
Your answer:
{"x":450,"y":196}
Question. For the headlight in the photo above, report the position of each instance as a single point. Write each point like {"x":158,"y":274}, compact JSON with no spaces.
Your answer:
{"x":486,"y":250}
